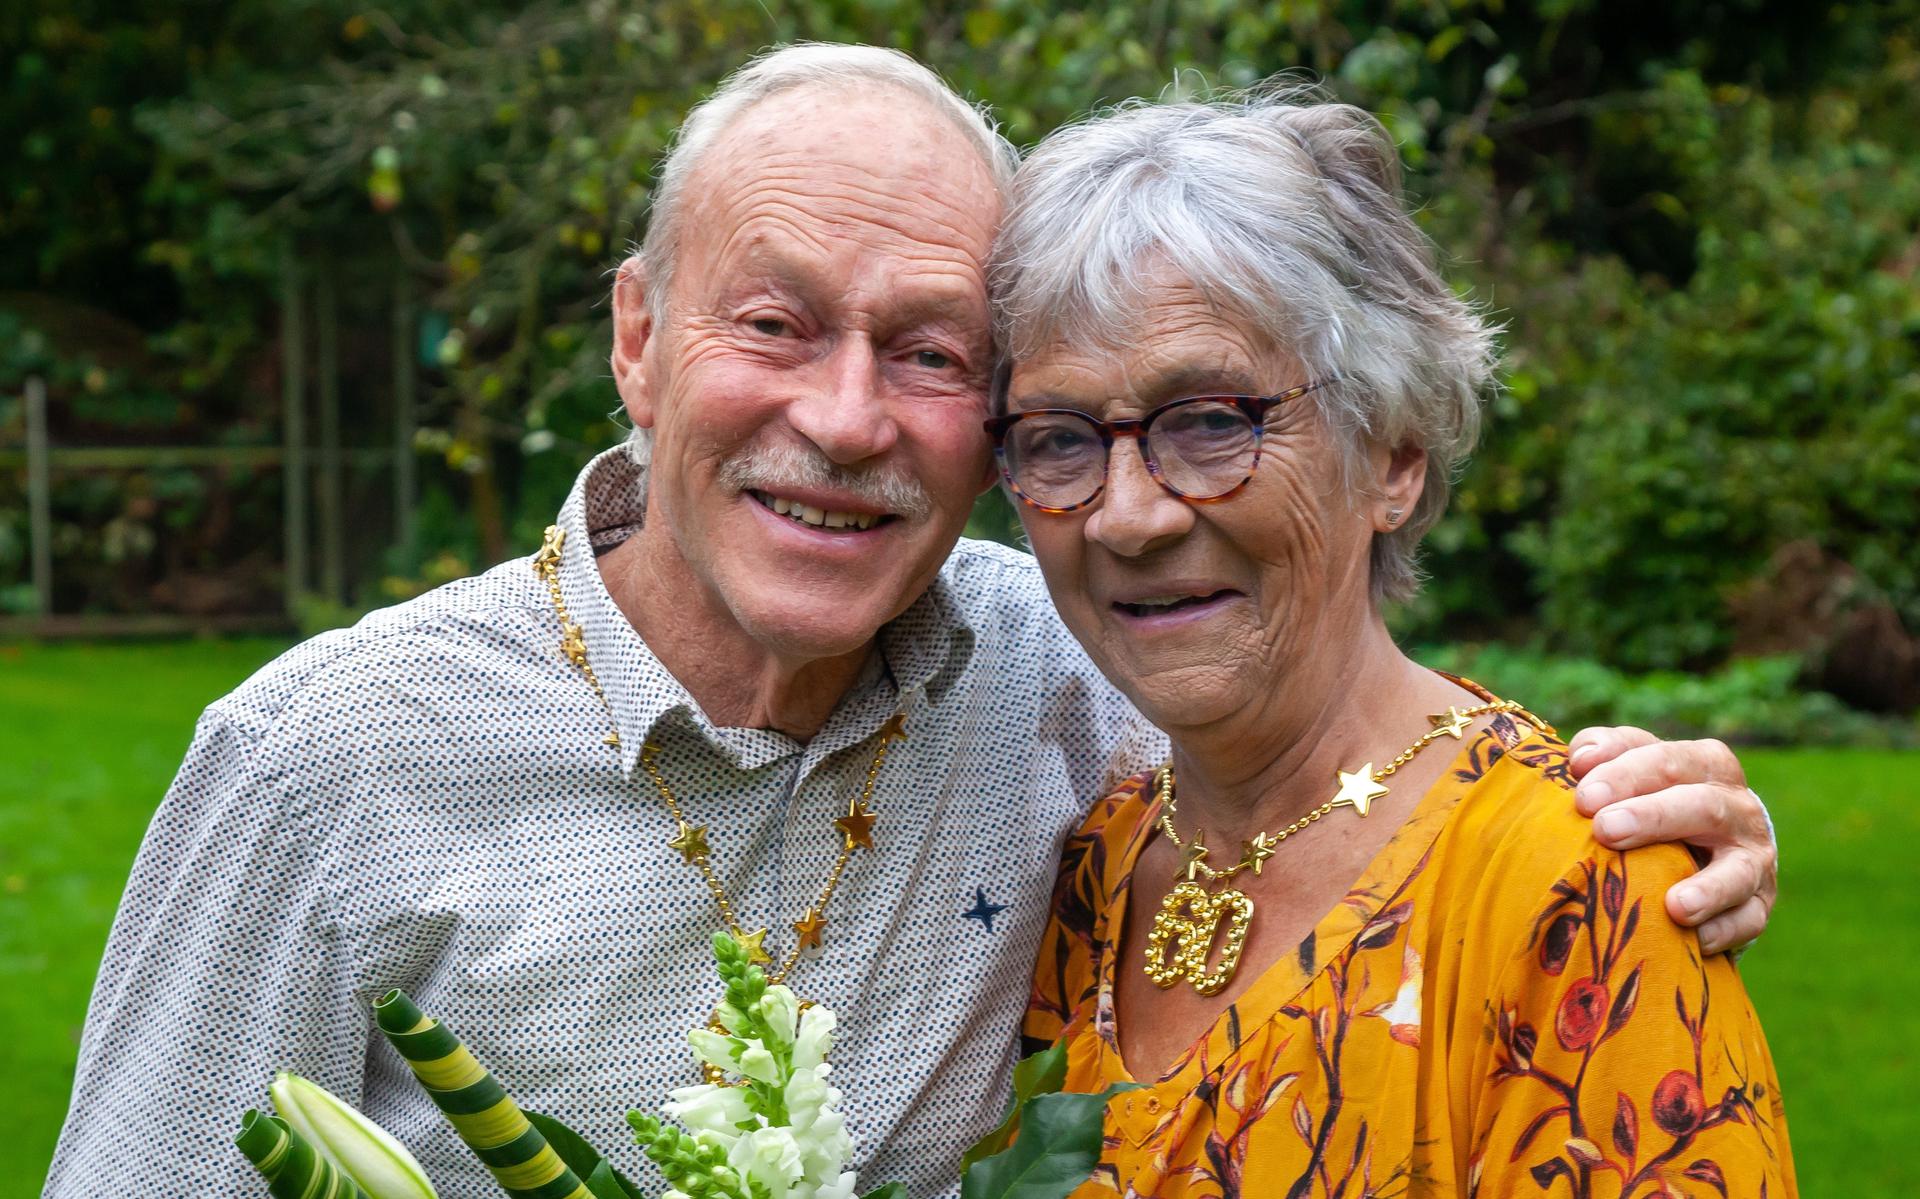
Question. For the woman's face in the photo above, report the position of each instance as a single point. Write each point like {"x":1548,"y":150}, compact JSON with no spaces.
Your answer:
{"x":1197,"y":611}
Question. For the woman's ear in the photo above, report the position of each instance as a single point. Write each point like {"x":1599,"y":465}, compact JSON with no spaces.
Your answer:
{"x":632,"y":331}
{"x":1400,"y":476}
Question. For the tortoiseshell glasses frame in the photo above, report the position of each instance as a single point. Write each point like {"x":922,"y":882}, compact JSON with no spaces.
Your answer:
{"x":1233,"y":448}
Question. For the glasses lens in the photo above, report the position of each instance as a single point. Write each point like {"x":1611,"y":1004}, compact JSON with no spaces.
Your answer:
{"x":1055,"y":459}
{"x":1204,"y":449}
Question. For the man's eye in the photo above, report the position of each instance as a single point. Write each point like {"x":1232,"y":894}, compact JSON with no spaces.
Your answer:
{"x":932,"y":360}
{"x":771,"y":326}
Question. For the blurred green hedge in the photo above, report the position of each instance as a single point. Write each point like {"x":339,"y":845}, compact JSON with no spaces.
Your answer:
{"x":1700,"y":223}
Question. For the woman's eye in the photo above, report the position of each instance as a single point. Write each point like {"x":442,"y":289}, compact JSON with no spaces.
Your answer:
{"x":770,"y":326}
{"x":932,"y":360}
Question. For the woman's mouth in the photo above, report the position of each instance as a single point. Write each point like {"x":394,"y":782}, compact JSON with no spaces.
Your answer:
{"x":1150,"y":606}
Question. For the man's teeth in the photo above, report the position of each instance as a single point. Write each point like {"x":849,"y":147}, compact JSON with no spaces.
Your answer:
{"x":1162,"y":601}
{"x":819,"y":517}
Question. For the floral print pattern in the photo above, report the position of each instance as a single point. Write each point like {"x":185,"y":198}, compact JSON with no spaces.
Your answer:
{"x":1484,"y":1013}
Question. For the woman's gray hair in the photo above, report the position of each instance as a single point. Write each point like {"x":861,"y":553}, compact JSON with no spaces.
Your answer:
{"x":1284,"y":208}
{"x":776,"y":71}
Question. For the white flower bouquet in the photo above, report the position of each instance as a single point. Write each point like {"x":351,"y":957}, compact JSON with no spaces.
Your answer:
{"x":766,"y":1124}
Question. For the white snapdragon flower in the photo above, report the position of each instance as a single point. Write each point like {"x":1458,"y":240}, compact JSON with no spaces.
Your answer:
{"x":770,"y":1157}
{"x":818,"y":1128}
{"x":814,"y":1038}
{"x":780,"y":1010}
{"x":839,"y":1188}
{"x":715,"y":1049}
{"x":757,"y":1061}
{"x":710,"y":1112}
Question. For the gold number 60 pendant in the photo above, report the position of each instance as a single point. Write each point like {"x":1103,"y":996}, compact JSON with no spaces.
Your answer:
{"x":1184,"y":931}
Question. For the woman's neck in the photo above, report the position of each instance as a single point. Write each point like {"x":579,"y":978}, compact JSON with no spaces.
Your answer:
{"x":1268,"y":765}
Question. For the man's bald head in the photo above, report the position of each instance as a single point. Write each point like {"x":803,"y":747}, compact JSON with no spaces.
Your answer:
{"x":808,"y":66}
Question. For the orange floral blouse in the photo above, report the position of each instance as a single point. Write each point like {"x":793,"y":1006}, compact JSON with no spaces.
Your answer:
{"x":1500,"y":1006}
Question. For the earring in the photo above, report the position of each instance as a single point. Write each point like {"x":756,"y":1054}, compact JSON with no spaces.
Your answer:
{"x":1393,"y":517}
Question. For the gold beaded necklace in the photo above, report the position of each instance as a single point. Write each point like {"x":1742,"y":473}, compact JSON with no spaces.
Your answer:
{"x":855,"y":829}
{"x":1188,"y":922}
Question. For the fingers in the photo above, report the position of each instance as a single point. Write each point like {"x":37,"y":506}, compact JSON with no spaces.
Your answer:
{"x":1736,"y":929}
{"x":1592,"y":746}
{"x":1699,"y":813}
{"x":1728,"y":882}
{"x":1652,"y":766}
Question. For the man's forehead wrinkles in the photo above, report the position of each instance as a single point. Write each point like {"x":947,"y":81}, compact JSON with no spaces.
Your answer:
{"x":910,"y":211}
{"x":791,"y":239}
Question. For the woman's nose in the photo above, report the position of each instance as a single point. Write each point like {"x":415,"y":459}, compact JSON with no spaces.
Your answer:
{"x":1135,"y":513}
{"x":844,"y":410}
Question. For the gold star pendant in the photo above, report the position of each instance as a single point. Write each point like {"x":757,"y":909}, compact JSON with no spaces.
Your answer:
{"x":549,"y":556}
{"x":896,"y":727}
{"x":1254,"y":853}
{"x":692,"y":842}
{"x":1453,"y":722}
{"x":756,"y":952}
{"x":573,"y":643}
{"x":1359,"y":789}
{"x":857,"y":825}
{"x":1195,"y":853}
{"x":808,"y":928}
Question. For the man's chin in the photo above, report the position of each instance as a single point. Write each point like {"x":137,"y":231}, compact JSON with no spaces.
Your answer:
{"x":810,"y":624}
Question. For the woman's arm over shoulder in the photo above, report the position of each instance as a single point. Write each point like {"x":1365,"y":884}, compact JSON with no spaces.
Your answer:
{"x":1090,"y":868}
{"x":1619,"y":1057}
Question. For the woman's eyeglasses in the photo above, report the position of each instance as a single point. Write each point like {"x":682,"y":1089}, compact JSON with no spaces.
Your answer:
{"x":1201,"y":448}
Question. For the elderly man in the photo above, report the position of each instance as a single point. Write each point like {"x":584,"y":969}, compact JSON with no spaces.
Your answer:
{"x":754,"y":685}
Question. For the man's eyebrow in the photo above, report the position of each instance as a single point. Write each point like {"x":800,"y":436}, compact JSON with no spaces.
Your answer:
{"x":760,"y":267}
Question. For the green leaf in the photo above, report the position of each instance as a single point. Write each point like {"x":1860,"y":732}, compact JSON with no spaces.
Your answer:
{"x":1041,"y":1073}
{"x":1058,"y":1146}
{"x":584,"y":1160}
{"x":608,"y":1183}
{"x":893,"y":1190}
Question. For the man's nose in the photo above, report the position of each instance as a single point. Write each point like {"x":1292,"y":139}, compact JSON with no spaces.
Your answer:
{"x":844,"y":410}
{"x":1135,"y":514}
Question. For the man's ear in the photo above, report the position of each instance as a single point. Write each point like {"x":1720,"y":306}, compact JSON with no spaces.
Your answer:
{"x":632,"y":331}
{"x":1400,"y":478}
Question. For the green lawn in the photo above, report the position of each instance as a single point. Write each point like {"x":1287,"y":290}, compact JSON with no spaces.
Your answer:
{"x":91,"y":734}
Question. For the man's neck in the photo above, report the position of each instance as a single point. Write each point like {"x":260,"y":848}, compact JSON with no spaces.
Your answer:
{"x":737,"y":682}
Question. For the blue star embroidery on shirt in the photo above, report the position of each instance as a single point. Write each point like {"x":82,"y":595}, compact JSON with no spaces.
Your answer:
{"x":983,"y":911}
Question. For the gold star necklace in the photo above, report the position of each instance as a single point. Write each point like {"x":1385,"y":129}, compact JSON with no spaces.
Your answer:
{"x":855,"y":829}
{"x":1188,"y":922}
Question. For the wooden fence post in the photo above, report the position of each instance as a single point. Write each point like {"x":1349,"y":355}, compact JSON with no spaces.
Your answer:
{"x":293,"y":430}
{"x":333,"y":520}
{"x":39,"y":497}
{"x":403,"y":411}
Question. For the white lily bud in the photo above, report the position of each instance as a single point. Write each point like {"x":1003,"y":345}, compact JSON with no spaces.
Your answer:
{"x":359,"y":1148}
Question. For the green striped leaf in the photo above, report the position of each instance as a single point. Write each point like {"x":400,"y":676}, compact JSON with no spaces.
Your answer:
{"x":484,"y":1116}
{"x":291,"y":1166}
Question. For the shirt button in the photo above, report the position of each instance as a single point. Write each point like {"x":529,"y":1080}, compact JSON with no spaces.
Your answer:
{"x":1153,"y":1105}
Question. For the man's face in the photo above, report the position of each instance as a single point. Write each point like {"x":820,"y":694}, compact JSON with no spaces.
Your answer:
{"x":816,"y":384}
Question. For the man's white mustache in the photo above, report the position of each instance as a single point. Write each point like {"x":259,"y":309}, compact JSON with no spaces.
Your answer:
{"x":787,"y":465}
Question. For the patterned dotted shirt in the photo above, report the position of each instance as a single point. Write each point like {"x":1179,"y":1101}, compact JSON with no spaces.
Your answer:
{"x":426,"y":801}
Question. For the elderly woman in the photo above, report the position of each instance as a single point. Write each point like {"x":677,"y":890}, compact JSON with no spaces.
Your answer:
{"x":1353,"y":938}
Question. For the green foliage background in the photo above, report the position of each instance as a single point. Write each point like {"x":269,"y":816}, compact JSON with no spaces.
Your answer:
{"x":1700,"y":223}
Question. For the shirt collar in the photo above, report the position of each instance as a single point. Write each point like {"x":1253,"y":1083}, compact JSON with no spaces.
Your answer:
{"x":923,"y":651}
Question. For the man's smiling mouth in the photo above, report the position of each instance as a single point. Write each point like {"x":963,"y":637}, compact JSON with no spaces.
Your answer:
{"x":818,"y":518}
